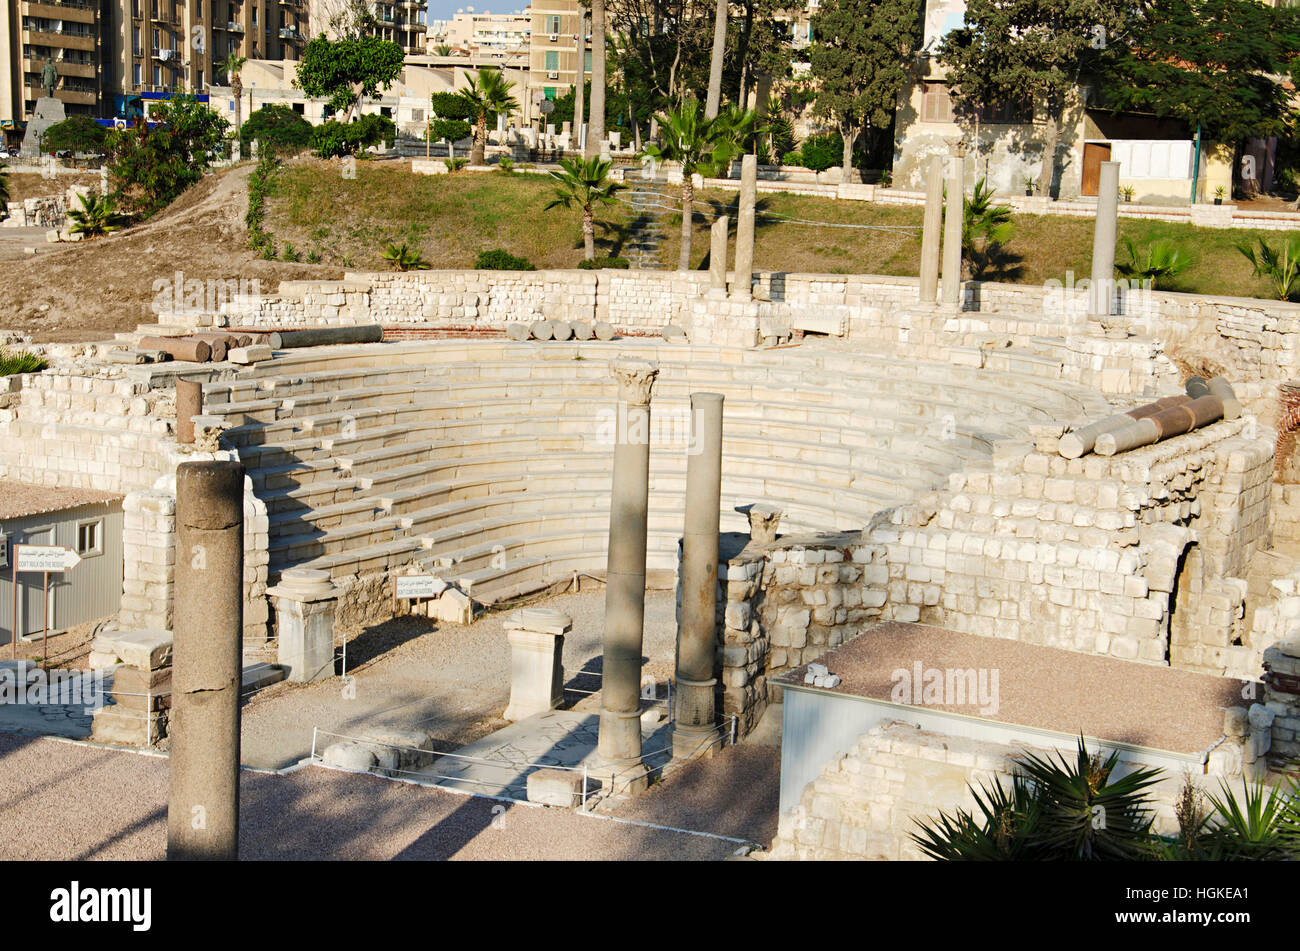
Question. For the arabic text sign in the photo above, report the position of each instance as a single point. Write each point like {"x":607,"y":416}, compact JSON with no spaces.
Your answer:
{"x":420,"y":586}
{"x":44,"y":558}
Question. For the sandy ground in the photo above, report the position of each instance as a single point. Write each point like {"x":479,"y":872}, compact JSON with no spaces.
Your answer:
{"x":449,"y":679}
{"x":69,"y":801}
{"x":88,"y":290}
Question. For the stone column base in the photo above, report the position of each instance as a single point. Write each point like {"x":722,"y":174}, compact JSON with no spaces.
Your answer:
{"x":304,"y":602}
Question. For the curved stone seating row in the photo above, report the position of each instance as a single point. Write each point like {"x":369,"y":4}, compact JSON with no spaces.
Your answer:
{"x":487,"y":461}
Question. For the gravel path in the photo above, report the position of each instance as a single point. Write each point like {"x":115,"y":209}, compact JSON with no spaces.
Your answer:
{"x":70,"y":801}
{"x":451,"y":679}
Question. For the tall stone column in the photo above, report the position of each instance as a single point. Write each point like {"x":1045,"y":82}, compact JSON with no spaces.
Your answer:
{"x":1102,"y":285}
{"x":697,"y":629}
{"x":932,"y":225}
{"x":952,"y":221}
{"x":203,"y":800}
{"x":742,"y":282}
{"x":718,"y":253}
{"x":619,"y":746}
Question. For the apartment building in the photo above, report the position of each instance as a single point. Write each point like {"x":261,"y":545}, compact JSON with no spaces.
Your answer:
{"x":66,"y":32}
{"x":553,"y":49}
{"x":484,"y":32}
{"x":170,"y":45}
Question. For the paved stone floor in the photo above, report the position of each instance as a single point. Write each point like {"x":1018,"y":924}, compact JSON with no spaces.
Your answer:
{"x":499,"y":764}
{"x":71,"y":801}
{"x":71,"y":721}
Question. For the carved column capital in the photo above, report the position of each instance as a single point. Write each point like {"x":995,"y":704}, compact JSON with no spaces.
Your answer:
{"x":636,"y":379}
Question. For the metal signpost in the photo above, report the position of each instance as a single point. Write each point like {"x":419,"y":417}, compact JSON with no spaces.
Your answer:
{"x":46,"y":559}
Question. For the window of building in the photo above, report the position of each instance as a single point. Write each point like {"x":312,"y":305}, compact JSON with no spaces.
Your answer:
{"x":1007,"y":113}
{"x":135,"y":75}
{"x":90,"y":537}
{"x":4,"y":551}
{"x":552,"y":60}
{"x":198,"y":82}
{"x":157,"y":75}
{"x":586,"y":62}
{"x":936,"y":105}
{"x":553,"y":24}
{"x":254,"y":16}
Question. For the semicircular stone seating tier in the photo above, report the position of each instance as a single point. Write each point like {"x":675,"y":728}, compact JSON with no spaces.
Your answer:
{"x":491,"y":462}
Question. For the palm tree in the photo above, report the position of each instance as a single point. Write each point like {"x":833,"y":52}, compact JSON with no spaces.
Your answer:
{"x":404,"y":258}
{"x":698,"y":145}
{"x":1280,"y":266}
{"x":1162,"y":260}
{"x":488,"y":92}
{"x":985,"y":230}
{"x":1055,"y":810}
{"x":596,"y":108}
{"x":231,"y":67}
{"x":1058,"y":810}
{"x":714,"y":101}
{"x":97,"y":216}
{"x":585,"y":182}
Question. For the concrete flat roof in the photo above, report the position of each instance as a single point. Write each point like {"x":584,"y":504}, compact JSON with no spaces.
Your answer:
{"x":21,"y":499}
{"x":1041,"y":687}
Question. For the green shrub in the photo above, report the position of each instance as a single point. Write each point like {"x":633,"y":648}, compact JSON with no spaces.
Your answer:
{"x":278,"y":127}
{"x":500,"y":260}
{"x":596,"y":264}
{"x":449,"y":105}
{"x":452,"y":130}
{"x":20,"y":361}
{"x":792,"y":158}
{"x":74,"y":134}
{"x":333,"y":139}
{"x":404,"y":258}
{"x":820,"y":152}
{"x":259,"y":187}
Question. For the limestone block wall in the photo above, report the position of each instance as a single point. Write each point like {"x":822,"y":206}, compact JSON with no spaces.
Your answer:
{"x":149,"y":557}
{"x":1134,"y":556}
{"x":864,"y":805}
{"x":88,"y":427}
{"x":1282,"y":695}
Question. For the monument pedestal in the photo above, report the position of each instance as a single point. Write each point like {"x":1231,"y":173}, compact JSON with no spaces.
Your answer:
{"x":49,"y":111}
{"x":304,"y":602}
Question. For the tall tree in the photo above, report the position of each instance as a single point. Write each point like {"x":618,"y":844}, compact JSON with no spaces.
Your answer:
{"x":1213,"y":63}
{"x":698,"y":145}
{"x":488,"y":93}
{"x":859,"y":62}
{"x":585,"y":182}
{"x":596,"y":124}
{"x":232,"y":66}
{"x":343,"y":71}
{"x":714,"y":101}
{"x":1042,"y":51}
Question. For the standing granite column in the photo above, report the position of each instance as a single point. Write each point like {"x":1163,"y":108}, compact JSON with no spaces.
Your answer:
{"x":697,"y":629}
{"x":932,"y":225}
{"x":952,"y":221}
{"x":1101,"y":287}
{"x":619,"y":745}
{"x":742,"y":282}
{"x":203,"y":800}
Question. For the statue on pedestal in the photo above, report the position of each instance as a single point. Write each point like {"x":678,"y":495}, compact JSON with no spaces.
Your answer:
{"x":49,"y":77}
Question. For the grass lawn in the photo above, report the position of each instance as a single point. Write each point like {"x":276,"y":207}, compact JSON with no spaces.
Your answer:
{"x":451,"y":218}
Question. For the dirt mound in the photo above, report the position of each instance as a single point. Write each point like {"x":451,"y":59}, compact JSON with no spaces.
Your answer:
{"x":91,"y":289}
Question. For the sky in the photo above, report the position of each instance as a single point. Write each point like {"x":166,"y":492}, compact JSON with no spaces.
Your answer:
{"x":446,"y":9}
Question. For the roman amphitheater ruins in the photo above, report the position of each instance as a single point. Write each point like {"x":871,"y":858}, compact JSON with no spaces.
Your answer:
{"x":900,"y":459}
